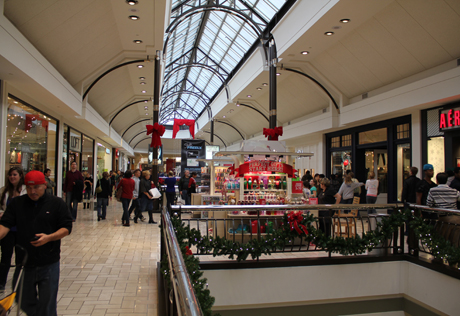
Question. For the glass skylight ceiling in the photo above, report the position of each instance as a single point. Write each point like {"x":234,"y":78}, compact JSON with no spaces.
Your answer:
{"x":215,"y":39}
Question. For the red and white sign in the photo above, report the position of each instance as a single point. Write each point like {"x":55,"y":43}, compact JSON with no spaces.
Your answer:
{"x":265,"y":166}
{"x":297,"y":187}
{"x":449,"y":119}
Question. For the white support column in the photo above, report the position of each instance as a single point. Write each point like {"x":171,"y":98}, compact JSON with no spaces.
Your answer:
{"x":3,"y":122}
{"x":95,"y":175}
{"x":60,"y":154}
{"x":416,"y":145}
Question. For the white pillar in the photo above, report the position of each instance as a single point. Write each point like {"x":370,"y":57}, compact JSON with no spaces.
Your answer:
{"x":60,"y":155}
{"x":3,"y":122}
{"x":416,"y":145}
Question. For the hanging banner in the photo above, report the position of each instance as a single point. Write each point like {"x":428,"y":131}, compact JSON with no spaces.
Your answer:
{"x":265,"y":166}
{"x":191,"y":150}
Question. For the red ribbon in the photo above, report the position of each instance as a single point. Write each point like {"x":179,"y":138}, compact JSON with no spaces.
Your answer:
{"x":188,"y":251}
{"x":178,"y":123}
{"x":273,"y":133}
{"x":157,"y":131}
{"x":294,"y":221}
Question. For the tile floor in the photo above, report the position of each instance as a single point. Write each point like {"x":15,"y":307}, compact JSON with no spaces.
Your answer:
{"x":108,"y":269}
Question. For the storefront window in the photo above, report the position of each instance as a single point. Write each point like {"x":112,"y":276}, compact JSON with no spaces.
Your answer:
{"x":402,"y":131}
{"x":403,"y":166}
{"x":374,"y":136}
{"x":341,"y":161}
{"x":335,"y":142}
{"x":104,"y":159}
{"x":346,"y":140}
{"x":87,"y":155}
{"x":436,"y":154}
{"x":31,"y":138}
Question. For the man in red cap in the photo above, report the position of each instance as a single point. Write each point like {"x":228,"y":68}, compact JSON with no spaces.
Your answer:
{"x":42,"y":220}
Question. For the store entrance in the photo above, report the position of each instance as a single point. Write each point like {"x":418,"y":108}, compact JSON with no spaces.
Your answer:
{"x":375,"y":160}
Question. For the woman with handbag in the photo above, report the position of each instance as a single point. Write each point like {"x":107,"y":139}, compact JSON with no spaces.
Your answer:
{"x":144,"y":194}
{"x":103,"y":192}
{"x":127,"y":186}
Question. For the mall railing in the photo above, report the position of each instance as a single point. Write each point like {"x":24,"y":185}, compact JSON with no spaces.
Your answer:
{"x":245,"y":222}
{"x":180,"y":298}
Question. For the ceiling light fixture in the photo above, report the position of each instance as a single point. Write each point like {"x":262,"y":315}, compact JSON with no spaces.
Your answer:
{"x":143,"y":91}
{"x":237,"y":104}
{"x":140,"y":66}
{"x":345,"y":20}
{"x":278,"y":74}
{"x":146,"y":114}
{"x":223,"y":116}
{"x":249,"y":96}
{"x":265,"y":84}
{"x":134,"y":17}
{"x":137,"y":41}
{"x":329,"y":33}
{"x":131,"y":2}
{"x":146,"y":107}
{"x":259,"y":88}
{"x":305,"y":52}
{"x":141,"y":78}
{"x":142,"y":82}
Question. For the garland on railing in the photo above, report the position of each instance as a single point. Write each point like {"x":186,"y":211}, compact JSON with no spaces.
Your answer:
{"x":292,"y":227}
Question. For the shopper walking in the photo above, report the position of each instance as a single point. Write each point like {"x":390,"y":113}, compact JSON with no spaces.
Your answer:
{"x":49,"y":183}
{"x":146,"y":198}
{"x":103,"y":196}
{"x":372,"y":187}
{"x":346,"y":191}
{"x":423,"y":189}
{"x":14,"y":187}
{"x":409,"y":192}
{"x":127,"y":186}
{"x":73,"y":180}
{"x":42,"y":220}
{"x":170,"y":182}
{"x":135,"y":206}
{"x":313,"y":186}
{"x":183,"y":187}
{"x":327,"y":196}
{"x":88,"y":183}
{"x":443,"y":196}
{"x":192,"y":185}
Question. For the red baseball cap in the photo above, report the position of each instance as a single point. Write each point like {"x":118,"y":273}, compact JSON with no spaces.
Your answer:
{"x":34,"y":177}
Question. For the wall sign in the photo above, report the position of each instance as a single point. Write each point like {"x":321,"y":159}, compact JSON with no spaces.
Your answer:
{"x":449,"y":119}
{"x":75,"y":141}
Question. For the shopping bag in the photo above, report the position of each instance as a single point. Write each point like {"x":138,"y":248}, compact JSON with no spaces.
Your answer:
{"x":155,"y":193}
{"x":313,"y":201}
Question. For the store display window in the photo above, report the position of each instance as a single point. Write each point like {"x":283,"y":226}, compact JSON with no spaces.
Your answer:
{"x":341,"y":162}
{"x":104,"y":158}
{"x":31,"y":138}
{"x":87,"y":155}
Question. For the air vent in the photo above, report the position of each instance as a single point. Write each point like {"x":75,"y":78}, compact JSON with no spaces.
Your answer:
{"x":458,"y":62}
{"x":324,"y":110}
{"x":364,"y":95}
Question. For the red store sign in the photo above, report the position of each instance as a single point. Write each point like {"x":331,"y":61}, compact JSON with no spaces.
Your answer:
{"x":449,"y":119}
{"x":265,"y":166}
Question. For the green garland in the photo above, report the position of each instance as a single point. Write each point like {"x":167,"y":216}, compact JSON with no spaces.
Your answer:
{"x":283,"y":236}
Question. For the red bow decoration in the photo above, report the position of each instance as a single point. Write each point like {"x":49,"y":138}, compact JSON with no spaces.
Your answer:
{"x":188,"y":251}
{"x":189,"y":123}
{"x":273,"y":133}
{"x":157,"y":131}
{"x":161,"y":181}
{"x":294,"y":221}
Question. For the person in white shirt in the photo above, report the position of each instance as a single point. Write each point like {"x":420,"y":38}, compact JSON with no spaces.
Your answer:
{"x":372,"y":187}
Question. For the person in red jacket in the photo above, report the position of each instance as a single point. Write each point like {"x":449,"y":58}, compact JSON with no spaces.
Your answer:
{"x":127,"y":185}
{"x":192,"y":185}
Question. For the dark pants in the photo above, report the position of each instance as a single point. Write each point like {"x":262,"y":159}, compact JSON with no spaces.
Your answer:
{"x":72,"y":204}
{"x":186,"y":197}
{"x":7,"y":247}
{"x":86,"y":196}
{"x":325,"y":222}
{"x":136,"y":207}
{"x":125,"y":203}
{"x":170,"y":198}
{"x":39,"y":295}
{"x":371,"y":200}
{"x":102,"y":207}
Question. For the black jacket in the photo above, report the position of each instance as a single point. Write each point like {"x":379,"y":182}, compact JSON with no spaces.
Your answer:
{"x":47,"y":215}
{"x":409,"y":192}
{"x":106,"y":187}
{"x":183,"y":184}
{"x":77,"y":191}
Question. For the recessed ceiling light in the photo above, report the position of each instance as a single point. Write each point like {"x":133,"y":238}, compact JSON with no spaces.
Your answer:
{"x":146,"y":107}
{"x":237,"y":104}
{"x":345,"y":20}
{"x":142,"y":82}
{"x":265,"y":84}
{"x":249,"y":96}
{"x":141,"y":78}
{"x":140,"y":66}
{"x":223,"y":116}
{"x":131,"y":2}
{"x":278,"y":74}
{"x":143,"y":91}
{"x":259,"y":88}
{"x":137,"y":41}
{"x":134,"y":17}
{"x":329,"y":33}
{"x":304,"y":52}
{"x":146,"y":114}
